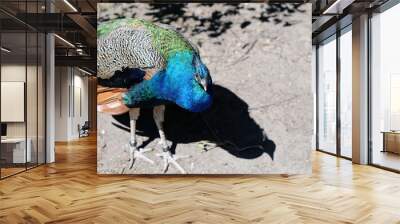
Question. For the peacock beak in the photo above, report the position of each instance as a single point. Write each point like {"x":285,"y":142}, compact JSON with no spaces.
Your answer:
{"x":203,"y":83}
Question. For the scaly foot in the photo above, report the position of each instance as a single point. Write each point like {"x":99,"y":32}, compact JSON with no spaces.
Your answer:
{"x":136,"y":153}
{"x":168,"y":158}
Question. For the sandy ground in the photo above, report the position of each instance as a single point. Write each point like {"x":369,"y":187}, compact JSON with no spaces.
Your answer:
{"x":261,"y":120}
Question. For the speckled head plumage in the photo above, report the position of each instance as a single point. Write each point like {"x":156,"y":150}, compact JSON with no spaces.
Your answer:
{"x":180,"y":75}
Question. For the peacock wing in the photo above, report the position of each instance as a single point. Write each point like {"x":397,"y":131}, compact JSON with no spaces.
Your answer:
{"x":126,"y":43}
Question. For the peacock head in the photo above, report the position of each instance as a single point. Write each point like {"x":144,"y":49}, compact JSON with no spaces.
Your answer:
{"x":189,"y":81}
{"x":201,"y":74}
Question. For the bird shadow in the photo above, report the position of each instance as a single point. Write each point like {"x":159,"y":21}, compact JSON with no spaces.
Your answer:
{"x":227,"y":124}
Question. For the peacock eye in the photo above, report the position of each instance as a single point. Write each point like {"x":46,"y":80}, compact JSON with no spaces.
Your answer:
{"x":197,"y":77}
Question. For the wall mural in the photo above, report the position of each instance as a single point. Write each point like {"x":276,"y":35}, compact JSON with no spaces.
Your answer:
{"x":202,"y":88}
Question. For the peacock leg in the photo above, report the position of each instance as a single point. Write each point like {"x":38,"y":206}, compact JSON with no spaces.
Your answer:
{"x":135,"y":153}
{"x":166,"y":155}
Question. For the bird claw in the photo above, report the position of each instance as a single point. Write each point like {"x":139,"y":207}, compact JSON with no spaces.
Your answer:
{"x":168,"y":158}
{"x":136,"y":153}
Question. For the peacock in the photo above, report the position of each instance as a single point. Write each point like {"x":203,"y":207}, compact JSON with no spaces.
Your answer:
{"x":141,"y":64}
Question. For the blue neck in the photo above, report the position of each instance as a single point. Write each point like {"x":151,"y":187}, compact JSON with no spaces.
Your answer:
{"x":176,"y":84}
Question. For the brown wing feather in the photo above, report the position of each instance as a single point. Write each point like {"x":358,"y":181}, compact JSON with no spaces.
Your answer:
{"x":109,"y":100}
{"x":149,"y":73}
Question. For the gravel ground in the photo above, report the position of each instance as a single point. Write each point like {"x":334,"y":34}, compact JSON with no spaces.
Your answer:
{"x":261,"y":121}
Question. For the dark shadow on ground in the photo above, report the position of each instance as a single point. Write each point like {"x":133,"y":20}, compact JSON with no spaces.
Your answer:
{"x":218,"y":22}
{"x":227,"y":123}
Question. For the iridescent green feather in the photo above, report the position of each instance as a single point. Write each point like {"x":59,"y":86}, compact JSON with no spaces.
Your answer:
{"x":166,"y":41}
{"x":106,"y":27}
